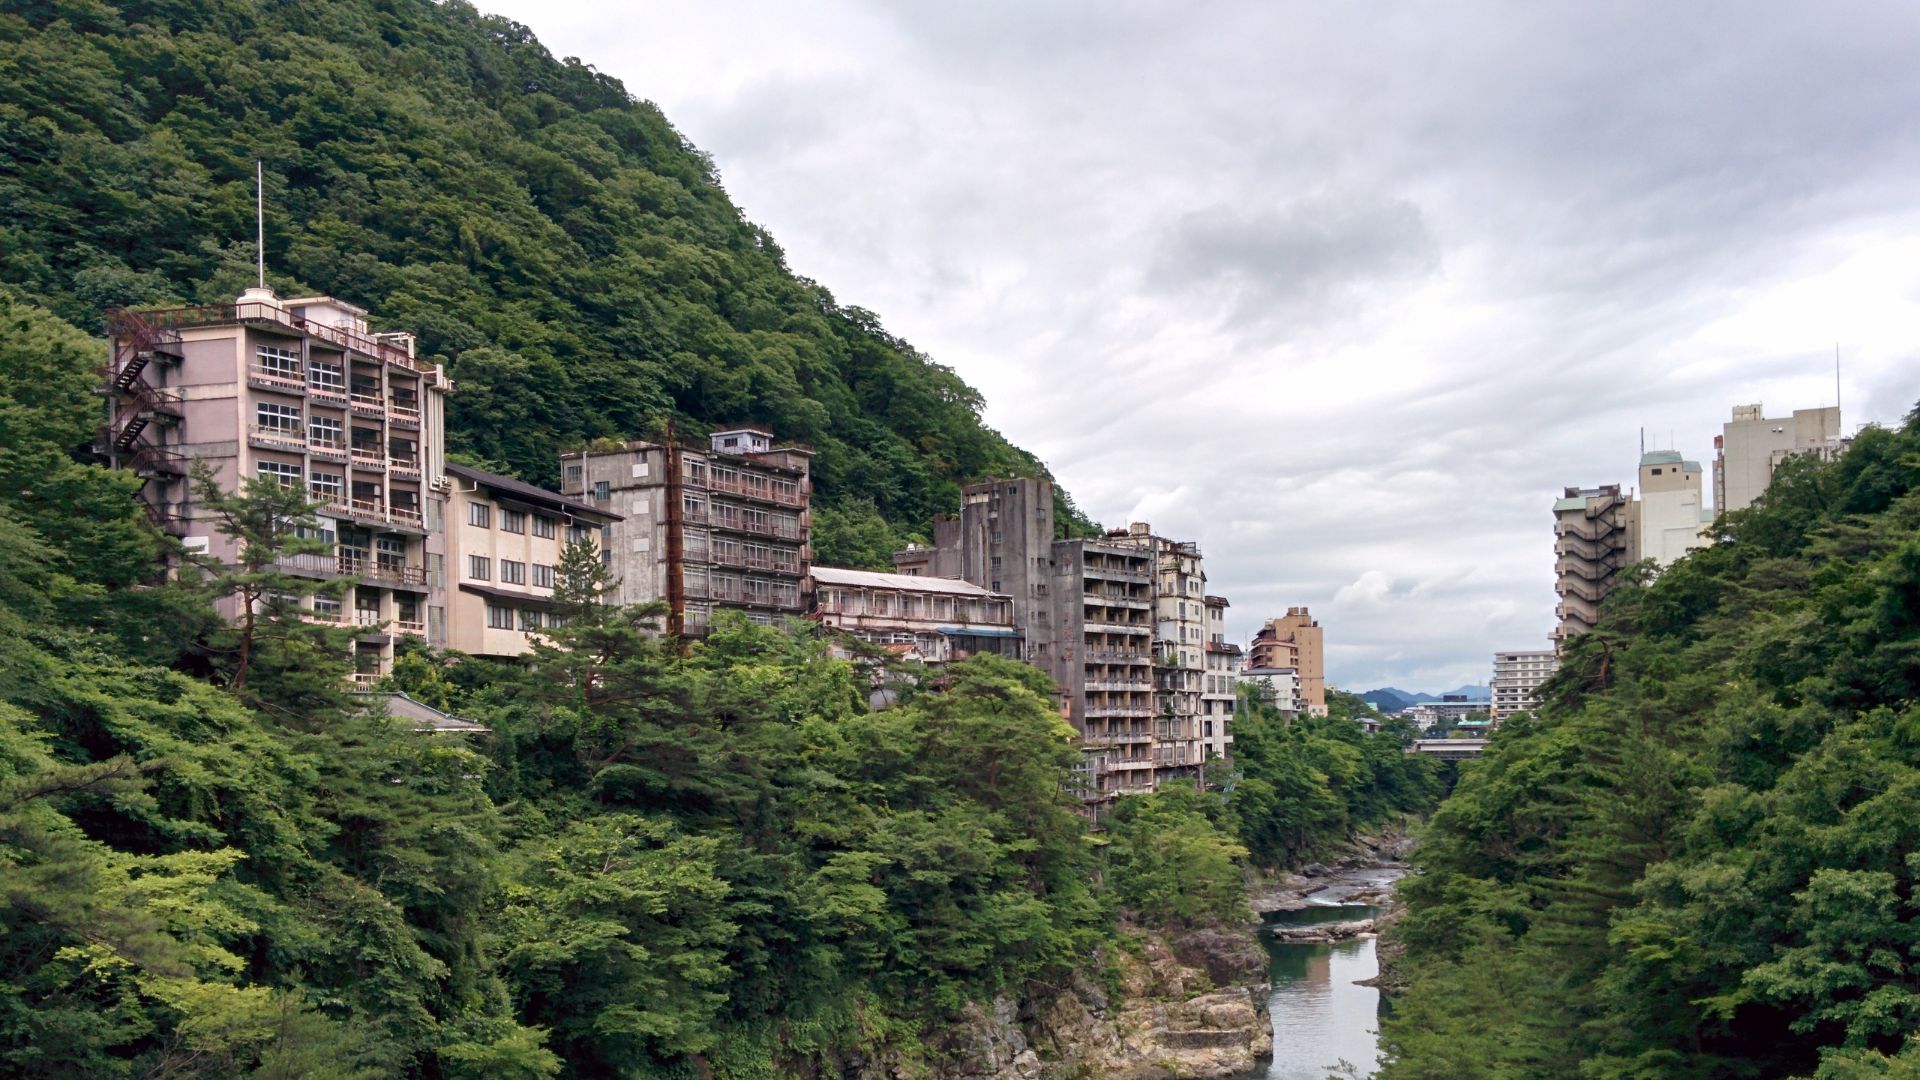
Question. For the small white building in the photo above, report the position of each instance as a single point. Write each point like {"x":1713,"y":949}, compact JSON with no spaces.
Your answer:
{"x":941,"y":619}
{"x":1279,"y":686}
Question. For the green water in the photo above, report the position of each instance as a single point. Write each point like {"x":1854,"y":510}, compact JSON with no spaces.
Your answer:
{"x":1320,"y":1018}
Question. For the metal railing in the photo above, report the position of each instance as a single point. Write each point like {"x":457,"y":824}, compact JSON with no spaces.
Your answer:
{"x":260,"y":311}
{"x":273,"y":379}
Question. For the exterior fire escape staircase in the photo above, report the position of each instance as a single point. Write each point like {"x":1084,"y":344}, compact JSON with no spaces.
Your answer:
{"x":139,"y":407}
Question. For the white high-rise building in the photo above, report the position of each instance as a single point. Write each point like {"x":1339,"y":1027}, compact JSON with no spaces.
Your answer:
{"x":1751,"y":446}
{"x":1516,"y":677}
{"x":1673,"y":520}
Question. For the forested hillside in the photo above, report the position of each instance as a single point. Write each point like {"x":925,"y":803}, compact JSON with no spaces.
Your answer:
{"x":558,"y":243}
{"x":1700,"y":859}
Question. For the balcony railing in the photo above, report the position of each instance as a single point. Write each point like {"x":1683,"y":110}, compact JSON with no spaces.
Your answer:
{"x":333,"y":449}
{"x":407,"y":412}
{"x":366,"y":678}
{"x":363,"y":617}
{"x":364,"y":458}
{"x":1118,"y":656}
{"x":367,"y":404}
{"x":764,"y":493}
{"x":278,"y":438}
{"x":410,"y":626}
{"x":405,"y":466}
{"x":401,"y":515}
{"x":275,"y":379}
{"x":336,"y":392}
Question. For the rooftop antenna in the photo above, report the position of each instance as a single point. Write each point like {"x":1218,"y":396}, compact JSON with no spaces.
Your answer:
{"x":260,"y":219}
{"x":1643,"y":440}
{"x":1836,"y":377}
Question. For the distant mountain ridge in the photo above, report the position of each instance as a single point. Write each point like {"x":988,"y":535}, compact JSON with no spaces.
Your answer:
{"x":1394,"y":699}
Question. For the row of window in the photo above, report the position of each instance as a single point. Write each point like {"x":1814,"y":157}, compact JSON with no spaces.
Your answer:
{"x":502,"y":617}
{"x":285,"y":363}
{"x":480,"y":515}
{"x":512,"y":572}
{"x":328,"y":431}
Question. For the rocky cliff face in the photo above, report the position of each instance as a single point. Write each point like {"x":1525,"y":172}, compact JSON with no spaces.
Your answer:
{"x":1191,"y":1006}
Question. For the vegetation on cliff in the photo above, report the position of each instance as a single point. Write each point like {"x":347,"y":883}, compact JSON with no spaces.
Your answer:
{"x":569,"y":255}
{"x":1699,"y":859}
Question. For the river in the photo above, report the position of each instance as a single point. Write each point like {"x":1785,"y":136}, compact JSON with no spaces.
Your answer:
{"x":1322,"y":1022}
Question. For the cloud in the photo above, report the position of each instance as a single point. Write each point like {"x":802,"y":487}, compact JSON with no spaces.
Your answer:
{"x":1326,"y":250}
{"x":1346,"y":293}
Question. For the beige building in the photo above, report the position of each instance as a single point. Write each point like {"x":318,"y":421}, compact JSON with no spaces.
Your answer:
{"x":1295,"y":641}
{"x":1673,"y":520}
{"x":1223,"y":660}
{"x":504,"y":542}
{"x":1596,"y":535}
{"x":1751,"y":446}
{"x":1001,"y":540}
{"x":706,"y":527}
{"x":935,"y":620}
{"x":1516,"y":676}
{"x":301,"y":392}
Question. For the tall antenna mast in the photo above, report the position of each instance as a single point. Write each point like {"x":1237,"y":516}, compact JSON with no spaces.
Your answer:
{"x":260,"y":219}
{"x":1836,"y":376}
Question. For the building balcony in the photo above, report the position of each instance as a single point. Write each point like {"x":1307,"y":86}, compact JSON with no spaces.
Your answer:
{"x":405,"y":515}
{"x":352,"y":564}
{"x":1126,"y":603}
{"x":366,"y":678}
{"x":368,"y":405}
{"x":1130,"y":711}
{"x":755,"y":528}
{"x":1129,"y":764}
{"x":763,"y":494}
{"x":1121,"y":686}
{"x":276,"y":438}
{"x":365,"y":617}
{"x":327,"y":393}
{"x":1118,"y":656}
{"x":410,"y":626}
{"x":407,"y":415}
{"x":368,"y":458}
{"x":1141,"y":577}
{"x":404,"y":468}
{"x":1117,"y":738}
{"x":271,"y":379}
{"x":1129,"y":629}
{"x":327,"y":449}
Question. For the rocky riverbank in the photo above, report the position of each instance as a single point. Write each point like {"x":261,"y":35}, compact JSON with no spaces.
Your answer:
{"x":1191,"y":1005}
{"x":1351,"y":865}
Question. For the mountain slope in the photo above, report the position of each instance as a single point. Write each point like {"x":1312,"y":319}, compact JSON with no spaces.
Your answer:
{"x":570,"y":254}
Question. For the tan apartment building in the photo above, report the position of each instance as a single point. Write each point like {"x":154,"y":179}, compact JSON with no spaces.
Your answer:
{"x":504,"y":543}
{"x":1516,"y":677}
{"x":1673,"y":520}
{"x":716,"y":526}
{"x":1596,"y":535}
{"x":301,"y":392}
{"x":934,"y":620}
{"x":1751,"y":446}
{"x":1223,"y":660}
{"x":1296,"y":641}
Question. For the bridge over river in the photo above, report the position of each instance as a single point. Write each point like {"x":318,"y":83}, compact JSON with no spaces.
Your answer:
{"x":1449,"y":749}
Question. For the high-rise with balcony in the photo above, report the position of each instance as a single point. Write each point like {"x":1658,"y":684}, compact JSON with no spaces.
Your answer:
{"x":302,"y":393}
{"x":705,"y":527}
{"x":1517,"y":675}
{"x":1295,"y":640}
{"x":1751,"y":446}
{"x":1103,"y":661}
{"x":1595,"y":536}
{"x":1223,"y":663}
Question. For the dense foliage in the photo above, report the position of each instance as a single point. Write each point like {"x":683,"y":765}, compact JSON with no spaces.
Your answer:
{"x":559,"y":244}
{"x":1699,"y":859}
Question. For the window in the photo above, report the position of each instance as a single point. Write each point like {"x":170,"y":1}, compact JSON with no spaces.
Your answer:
{"x":479,"y":567}
{"x":499,"y":617}
{"x":576,"y":534}
{"x":606,"y":536}
{"x":513,"y":573}
{"x":543,"y":526}
{"x":286,"y":475}
{"x":513,"y":521}
{"x":542,"y":576}
{"x":480,"y":514}
{"x":276,"y":361}
{"x":529,"y":620}
{"x":279,"y":418}
{"x":326,"y":487}
{"x":326,"y":431}
{"x":573,"y":474}
{"x":327,"y":606}
{"x":324,"y":376}
{"x":601,"y":491}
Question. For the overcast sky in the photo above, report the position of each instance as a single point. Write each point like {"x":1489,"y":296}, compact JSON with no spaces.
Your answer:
{"x":1343,"y":291}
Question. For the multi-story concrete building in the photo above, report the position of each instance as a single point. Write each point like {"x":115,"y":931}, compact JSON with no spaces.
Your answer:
{"x":941,"y":619}
{"x":1003,"y":541}
{"x":504,"y":543}
{"x":1103,"y":608}
{"x":704,"y":527}
{"x":1278,"y":686}
{"x":1223,"y":660}
{"x":1596,"y":535}
{"x":1295,"y":640}
{"x":1672,"y":519}
{"x":301,"y":392}
{"x":1516,"y":676}
{"x":1751,"y":446}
